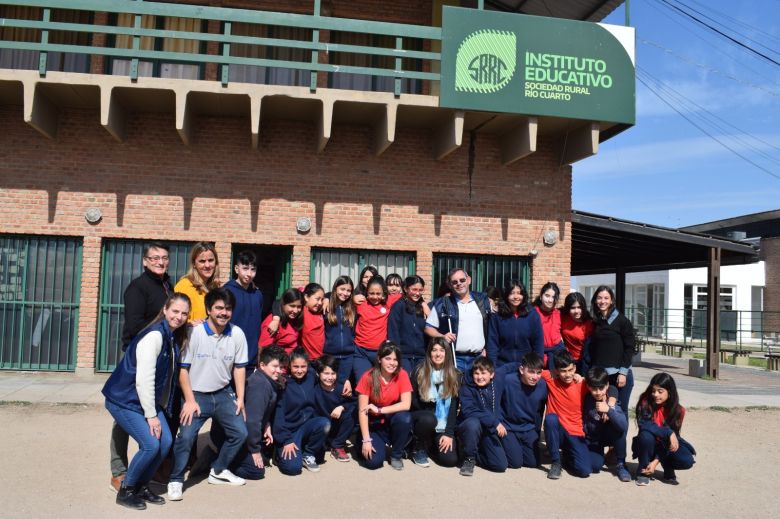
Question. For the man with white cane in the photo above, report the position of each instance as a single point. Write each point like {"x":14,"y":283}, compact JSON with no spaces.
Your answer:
{"x":461,"y":318}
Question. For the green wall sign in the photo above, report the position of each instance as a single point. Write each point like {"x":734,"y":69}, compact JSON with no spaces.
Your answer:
{"x":534,"y":65}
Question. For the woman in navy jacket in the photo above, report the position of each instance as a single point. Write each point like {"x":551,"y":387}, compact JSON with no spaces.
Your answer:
{"x":139,"y":395}
{"x":406,"y":324}
{"x":515,"y":329}
{"x":340,"y":328}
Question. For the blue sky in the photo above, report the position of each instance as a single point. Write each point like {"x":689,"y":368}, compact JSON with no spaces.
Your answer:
{"x":666,"y":172}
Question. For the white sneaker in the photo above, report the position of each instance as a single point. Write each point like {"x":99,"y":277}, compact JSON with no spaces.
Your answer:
{"x":175,"y":491}
{"x":225,"y":478}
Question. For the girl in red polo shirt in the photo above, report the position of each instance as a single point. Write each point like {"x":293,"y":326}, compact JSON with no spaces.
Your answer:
{"x":659,"y":416}
{"x":576,"y":329}
{"x":290,"y":323}
{"x":313,"y":333}
{"x":371,"y":325}
{"x":546,"y":306}
{"x":384,"y":399}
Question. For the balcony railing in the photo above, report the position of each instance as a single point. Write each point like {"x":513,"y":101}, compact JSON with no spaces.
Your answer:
{"x":137,"y":31}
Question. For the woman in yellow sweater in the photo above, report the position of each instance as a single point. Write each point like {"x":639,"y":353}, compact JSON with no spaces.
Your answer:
{"x":202,"y":276}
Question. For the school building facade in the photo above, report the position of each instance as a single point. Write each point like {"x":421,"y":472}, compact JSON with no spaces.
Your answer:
{"x":323,"y":135}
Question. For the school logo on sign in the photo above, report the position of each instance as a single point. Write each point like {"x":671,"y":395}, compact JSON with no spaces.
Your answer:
{"x":486,"y":61}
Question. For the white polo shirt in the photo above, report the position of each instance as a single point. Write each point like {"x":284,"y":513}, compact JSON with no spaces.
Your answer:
{"x":471,"y":332}
{"x":211,"y":357}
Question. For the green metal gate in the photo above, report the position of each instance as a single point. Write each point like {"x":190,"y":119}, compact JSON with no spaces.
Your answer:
{"x":485,"y":271}
{"x":40,"y":286}
{"x":328,"y":264}
{"x":122,"y":260}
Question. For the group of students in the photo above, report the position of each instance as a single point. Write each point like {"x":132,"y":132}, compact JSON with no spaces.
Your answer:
{"x":374,"y":363}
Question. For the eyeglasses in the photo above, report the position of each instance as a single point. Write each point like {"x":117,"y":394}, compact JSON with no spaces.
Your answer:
{"x":458,"y":281}
{"x":155,"y":259}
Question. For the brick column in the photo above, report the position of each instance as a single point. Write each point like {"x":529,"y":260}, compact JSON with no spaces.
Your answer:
{"x":770,"y":253}
{"x":88,"y":306}
{"x":301,"y":265}
{"x":98,"y":63}
{"x":224,"y":249}
{"x":424,"y":269}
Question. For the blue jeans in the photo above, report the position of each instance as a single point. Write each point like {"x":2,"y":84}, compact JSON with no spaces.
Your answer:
{"x":521,"y":448}
{"x":575,"y":448}
{"x":364,"y":360}
{"x":221,"y":406}
{"x":483,"y":444}
{"x":310,"y":440}
{"x":396,"y":431}
{"x":151,"y":451}
{"x":624,"y":393}
{"x":464,"y":361}
{"x":609,"y":437}
{"x":646,"y":448}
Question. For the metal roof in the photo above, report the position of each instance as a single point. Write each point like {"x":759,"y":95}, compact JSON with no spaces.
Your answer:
{"x":585,"y":10}
{"x":756,"y":225}
{"x":602,"y":244}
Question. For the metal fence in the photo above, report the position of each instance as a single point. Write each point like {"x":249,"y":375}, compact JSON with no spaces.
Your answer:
{"x":746,"y":329}
{"x":140,"y":33}
{"x":328,"y":264}
{"x":40,"y":286}
{"x":485,"y":270}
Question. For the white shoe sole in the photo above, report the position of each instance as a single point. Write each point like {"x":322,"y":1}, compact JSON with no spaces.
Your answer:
{"x":217,"y":481}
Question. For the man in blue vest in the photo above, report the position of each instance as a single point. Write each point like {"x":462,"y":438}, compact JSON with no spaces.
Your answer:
{"x":461,"y":317}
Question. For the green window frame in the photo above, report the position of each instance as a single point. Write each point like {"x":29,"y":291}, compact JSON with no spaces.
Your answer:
{"x":329,"y":263}
{"x":121,"y":262}
{"x":485,"y":270}
{"x":40,"y":291}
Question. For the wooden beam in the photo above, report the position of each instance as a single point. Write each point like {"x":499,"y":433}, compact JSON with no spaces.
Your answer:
{"x":580,"y":143}
{"x":113,"y":116}
{"x":713,"y":313}
{"x":39,"y":111}
{"x":449,"y":136}
{"x":519,"y":142}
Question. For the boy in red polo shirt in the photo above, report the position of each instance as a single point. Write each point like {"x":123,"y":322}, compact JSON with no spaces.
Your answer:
{"x":563,"y":427}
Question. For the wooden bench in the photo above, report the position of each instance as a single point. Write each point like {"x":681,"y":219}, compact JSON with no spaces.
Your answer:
{"x":672,"y":349}
{"x":738,"y":357}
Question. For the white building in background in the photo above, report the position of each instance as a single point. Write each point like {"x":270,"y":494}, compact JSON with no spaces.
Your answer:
{"x":671,"y":303}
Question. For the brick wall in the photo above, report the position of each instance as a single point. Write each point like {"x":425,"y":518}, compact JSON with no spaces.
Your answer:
{"x":152,"y":186}
{"x":770,"y":253}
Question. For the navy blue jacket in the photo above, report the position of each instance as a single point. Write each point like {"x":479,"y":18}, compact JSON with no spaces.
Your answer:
{"x":595,"y":429}
{"x":247,"y":315}
{"x":510,"y":338}
{"x":448,"y":307}
{"x":339,"y":338}
{"x":120,"y":386}
{"x":483,"y":403}
{"x":295,"y":406}
{"x":522,"y":405}
{"x":406,"y":329}
{"x":326,"y":401}
{"x":261,"y":396}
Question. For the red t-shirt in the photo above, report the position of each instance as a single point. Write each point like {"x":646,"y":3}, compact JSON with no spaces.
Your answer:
{"x":286,"y":336}
{"x":551,"y":326}
{"x":390,"y":393}
{"x":575,"y":334}
{"x":313,"y":334}
{"x":371,"y":326}
{"x":566,"y":401}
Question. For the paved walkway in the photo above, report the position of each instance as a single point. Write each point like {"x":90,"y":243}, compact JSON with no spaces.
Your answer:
{"x":737,"y":386}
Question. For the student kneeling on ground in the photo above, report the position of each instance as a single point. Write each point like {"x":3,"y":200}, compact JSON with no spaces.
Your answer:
{"x":216,"y":354}
{"x":299,"y":432}
{"x":605,"y":423}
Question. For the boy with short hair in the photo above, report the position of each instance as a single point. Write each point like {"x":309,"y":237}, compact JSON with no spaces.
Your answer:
{"x":248,"y":310}
{"x":522,"y":404}
{"x":563,"y":426}
{"x":605,"y":423}
{"x":481,"y":427}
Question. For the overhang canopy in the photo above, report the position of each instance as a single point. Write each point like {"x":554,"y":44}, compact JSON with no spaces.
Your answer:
{"x":602,"y":244}
{"x":585,"y":10}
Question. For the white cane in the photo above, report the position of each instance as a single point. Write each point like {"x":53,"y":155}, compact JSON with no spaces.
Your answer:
{"x":452,"y":344}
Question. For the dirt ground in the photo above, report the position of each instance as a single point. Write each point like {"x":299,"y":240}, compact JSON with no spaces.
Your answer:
{"x":55,"y":464}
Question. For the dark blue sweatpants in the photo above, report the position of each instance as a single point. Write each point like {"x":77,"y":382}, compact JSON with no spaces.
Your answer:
{"x":608,"y":437}
{"x":521,"y":448}
{"x":575,"y":449}
{"x":646,"y":448}
{"x":482,"y":444}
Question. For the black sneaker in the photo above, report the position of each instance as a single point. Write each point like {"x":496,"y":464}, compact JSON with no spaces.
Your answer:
{"x":555,"y":471}
{"x":150,"y":497}
{"x":467,"y":469}
{"x":670,"y":477}
{"x":127,"y":498}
